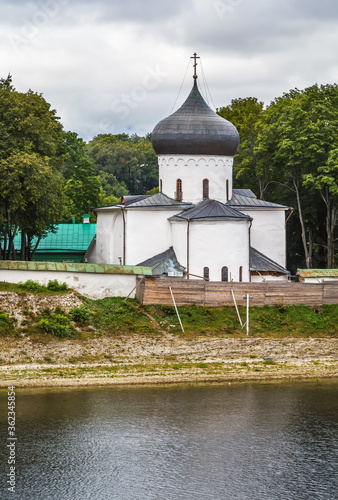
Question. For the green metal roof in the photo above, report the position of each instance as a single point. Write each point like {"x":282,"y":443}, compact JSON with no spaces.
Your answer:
{"x":68,"y":238}
{"x":318,"y":273}
{"x":20,"y":265}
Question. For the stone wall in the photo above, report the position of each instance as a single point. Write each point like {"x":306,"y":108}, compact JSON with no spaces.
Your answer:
{"x":91,"y":280}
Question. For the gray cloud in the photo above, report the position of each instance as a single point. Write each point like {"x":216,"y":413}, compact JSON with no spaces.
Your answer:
{"x":112,"y":11}
{"x":111,"y":66}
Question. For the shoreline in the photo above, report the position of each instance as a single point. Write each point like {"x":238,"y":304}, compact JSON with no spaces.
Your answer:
{"x":161,"y":381}
{"x":170,"y":359}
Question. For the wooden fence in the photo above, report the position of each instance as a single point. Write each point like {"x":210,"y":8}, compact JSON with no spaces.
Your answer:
{"x":156,"y":291}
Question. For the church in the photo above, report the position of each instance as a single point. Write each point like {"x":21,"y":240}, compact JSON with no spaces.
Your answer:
{"x":197,"y":226}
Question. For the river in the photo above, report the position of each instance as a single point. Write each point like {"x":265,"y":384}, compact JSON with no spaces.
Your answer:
{"x":217,"y":442}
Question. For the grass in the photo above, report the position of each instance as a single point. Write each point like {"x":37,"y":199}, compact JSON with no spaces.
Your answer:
{"x":7,"y":325}
{"x":116,"y":316}
{"x":53,"y":288}
{"x":167,"y":369}
{"x":268,"y":321}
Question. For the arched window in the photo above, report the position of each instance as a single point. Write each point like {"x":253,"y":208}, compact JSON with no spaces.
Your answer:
{"x":227,"y":189}
{"x":206,"y":273}
{"x":225,"y":273}
{"x":179,"y":193}
{"x":160,"y":186}
{"x":205,"y":189}
{"x":240,"y":273}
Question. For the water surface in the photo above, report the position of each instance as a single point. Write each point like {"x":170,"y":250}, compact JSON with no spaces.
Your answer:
{"x":239,"y":441}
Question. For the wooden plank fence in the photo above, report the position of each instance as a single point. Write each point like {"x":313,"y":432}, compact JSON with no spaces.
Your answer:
{"x":156,"y":291}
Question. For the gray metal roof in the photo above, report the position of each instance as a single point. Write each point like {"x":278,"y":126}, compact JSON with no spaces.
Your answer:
{"x":210,"y":210}
{"x":244,"y":192}
{"x":164,"y":263}
{"x":260,"y":262}
{"x":129,"y":199}
{"x":245,"y":198}
{"x":195,"y":129}
{"x":147,"y":201}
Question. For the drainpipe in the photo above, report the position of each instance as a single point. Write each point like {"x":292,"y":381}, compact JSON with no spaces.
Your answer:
{"x":250,"y":251}
{"x":124,"y":238}
{"x":285,"y":234}
{"x":188,"y":245}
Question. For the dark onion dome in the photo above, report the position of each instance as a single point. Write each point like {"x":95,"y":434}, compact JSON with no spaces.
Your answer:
{"x":195,"y":129}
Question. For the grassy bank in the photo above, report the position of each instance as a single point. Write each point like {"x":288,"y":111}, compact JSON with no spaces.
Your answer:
{"x":62,"y":338}
{"x":117,"y":316}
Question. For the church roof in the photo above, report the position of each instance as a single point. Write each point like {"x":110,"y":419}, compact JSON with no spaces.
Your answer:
{"x":245,"y":198}
{"x":195,"y":129}
{"x":164,"y":263}
{"x":260,"y":262}
{"x":317,"y":273}
{"x":128,"y":200}
{"x":147,"y":201}
{"x":64,"y":238}
{"x":210,"y":210}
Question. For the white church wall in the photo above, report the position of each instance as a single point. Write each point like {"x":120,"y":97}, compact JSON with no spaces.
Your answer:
{"x":268,"y":278}
{"x":103,"y":229}
{"x":268,"y":233}
{"x":192,"y":170}
{"x":214,"y":245}
{"x":90,"y":255}
{"x":148,"y":233}
{"x":109,"y":238}
{"x":116,"y":239}
{"x":179,"y":241}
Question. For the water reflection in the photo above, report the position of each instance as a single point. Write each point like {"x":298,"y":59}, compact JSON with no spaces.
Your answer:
{"x":251,"y":441}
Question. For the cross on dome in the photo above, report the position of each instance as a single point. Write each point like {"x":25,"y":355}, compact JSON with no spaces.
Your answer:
{"x":195,"y":57}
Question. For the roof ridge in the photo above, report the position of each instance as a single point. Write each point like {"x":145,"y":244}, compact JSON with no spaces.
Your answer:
{"x":210,"y":209}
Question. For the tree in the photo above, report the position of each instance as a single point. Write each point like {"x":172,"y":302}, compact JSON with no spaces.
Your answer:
{"x":31,"y":162}
{"x":326,"y":182}
{"x":130,"y":162}
{"x":245,"y":114}
{"x":31,"y":199}
{"x":295,"y":137}
{"x":27,"y":123}
{"x":6,"y":83}
{"x":82,"y":188}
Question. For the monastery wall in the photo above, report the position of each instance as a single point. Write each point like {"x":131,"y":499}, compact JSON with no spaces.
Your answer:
{"x":95,"y":281}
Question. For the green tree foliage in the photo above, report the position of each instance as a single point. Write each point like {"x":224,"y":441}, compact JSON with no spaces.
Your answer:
{"x":31,"y":199}
{"x":27,"y":123}
{"x":326,"y":182}
{"x":82,"y":188}
{"x":297,"y":135}
{"x":124,"y":164}
{"x":245,"y":114}
{"x":288,"y":154}
{"x":31,"y":194}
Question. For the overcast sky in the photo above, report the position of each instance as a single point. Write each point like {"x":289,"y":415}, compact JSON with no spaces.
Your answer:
{"x":113,"y":66}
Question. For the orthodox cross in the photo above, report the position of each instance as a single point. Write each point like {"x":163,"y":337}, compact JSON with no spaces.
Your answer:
{"x":194,"y":57}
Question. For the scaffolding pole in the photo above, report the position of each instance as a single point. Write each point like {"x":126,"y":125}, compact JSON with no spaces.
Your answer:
{"x":234,"y":299}
{"x":179,"y":319}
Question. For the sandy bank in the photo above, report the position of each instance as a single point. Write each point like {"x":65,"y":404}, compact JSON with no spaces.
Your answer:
{"x":167,"y":359}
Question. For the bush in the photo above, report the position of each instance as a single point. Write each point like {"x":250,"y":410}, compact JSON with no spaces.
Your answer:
{"x":81,"y":314}
{"x":55,"y":286}
{"x":7,"y":325}
{"x":34,"y":286}
{"x":58,"y":325}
